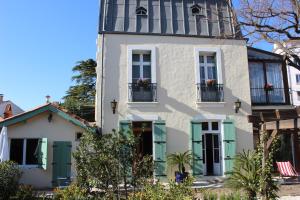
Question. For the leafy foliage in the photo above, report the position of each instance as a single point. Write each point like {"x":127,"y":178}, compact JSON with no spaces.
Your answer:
{"x":180,"y":159}
{"x":157,"y":191}
{"x":25,"y":192}
{"x":105,"y":162}
{"x":245,"y":174}
{"x":72,"y":192}
{"x":80,"y":98}
{"x":9,"y":178}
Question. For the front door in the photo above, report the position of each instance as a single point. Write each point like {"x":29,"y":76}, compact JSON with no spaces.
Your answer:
{"x":211,"y":151}
{"x":61,"y":165}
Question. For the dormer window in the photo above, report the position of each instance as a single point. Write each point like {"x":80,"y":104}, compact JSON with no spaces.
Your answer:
{"x":141,"y":11}
{"x":197,"y":10}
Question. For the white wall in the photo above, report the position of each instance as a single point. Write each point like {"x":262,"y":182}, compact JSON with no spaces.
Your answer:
{"x":176,"y":92}
{"x":38,"y":127}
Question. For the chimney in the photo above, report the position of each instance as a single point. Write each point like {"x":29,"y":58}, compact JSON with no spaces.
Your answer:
{"x":8,"y":111}
{"x":48,"y":98}
{"x":1,"y":98}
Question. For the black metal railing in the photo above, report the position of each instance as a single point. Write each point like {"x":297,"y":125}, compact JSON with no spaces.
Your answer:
{"x":210,"y":93}
{"x":142,"y":93}
{"x":271,"y":96}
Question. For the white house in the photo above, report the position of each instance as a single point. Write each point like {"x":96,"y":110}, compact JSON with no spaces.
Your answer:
{"x":8,"y":108}
{"x":41,"y":141}
{"x":176,"y":70}
{"x":293,"y":73}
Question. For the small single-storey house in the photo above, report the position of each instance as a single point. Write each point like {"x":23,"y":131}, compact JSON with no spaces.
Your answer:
{"x":41,"y":141}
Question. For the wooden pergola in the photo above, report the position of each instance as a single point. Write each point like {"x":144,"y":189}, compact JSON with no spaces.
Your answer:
{"x":278,"y":122}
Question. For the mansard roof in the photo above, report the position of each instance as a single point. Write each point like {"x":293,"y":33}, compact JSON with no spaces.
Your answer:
{"x":168,"y":17}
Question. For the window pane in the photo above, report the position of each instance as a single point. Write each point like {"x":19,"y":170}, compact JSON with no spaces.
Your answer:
{"x":212,"y":73}
{"x":204,"y":126}
{"x":147,"y":57}
{"x":201,"y":59}
{"x":147,"y":71}
{"x":16,"y":150}
{"x":135,"y":72}
{"x":202,"y":74}
{"x":135,"y":57}
{"x":215,"y":126}
{"x":32,"y":151}
{"x":210,"y":59}
{"x":216,"y":141}
{"x":216,"y":156}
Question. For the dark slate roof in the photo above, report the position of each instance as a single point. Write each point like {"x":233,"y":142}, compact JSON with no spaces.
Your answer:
{"x":259,"y":54}
{"x":167,"y":17}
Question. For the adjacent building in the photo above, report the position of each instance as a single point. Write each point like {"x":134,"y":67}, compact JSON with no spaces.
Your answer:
{"x":178,"y":71}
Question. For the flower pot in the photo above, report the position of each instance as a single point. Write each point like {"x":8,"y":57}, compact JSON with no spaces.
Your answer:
{"x":180,"y":177}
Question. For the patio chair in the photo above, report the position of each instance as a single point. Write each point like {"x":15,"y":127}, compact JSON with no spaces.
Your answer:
{"x":287,"y":171}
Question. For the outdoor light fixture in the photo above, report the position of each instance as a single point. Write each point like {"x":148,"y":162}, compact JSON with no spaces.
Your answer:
{"x":237,"y":105}
{"x":114,"y":105}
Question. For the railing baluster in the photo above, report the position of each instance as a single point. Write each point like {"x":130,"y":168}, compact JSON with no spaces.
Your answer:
{"x":142,"y":93}
{"x":210,"y":93}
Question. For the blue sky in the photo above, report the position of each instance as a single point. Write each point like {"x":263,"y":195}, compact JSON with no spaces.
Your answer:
{"x":40,"y":42}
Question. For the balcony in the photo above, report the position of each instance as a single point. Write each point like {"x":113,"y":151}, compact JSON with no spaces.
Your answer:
{"x":261,"y":96}
{"x":145,"y":93}
{"x":210,"y":93}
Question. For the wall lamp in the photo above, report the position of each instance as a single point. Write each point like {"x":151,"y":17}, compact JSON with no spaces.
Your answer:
{"x":114,"y":105}
{"x":237,"y":105}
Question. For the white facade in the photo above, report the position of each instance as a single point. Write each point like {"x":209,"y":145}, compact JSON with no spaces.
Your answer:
{"x":175,"y":69}
{"x":293,"y":74}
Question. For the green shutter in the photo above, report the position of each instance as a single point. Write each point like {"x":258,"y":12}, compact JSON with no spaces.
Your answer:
{"x":42,"y":153}
{"x":196,"y":145}
{"x":229,"y":144}
{"x":125,"y":128}
{"x":61,"y":160}
{"x":159,"y":144}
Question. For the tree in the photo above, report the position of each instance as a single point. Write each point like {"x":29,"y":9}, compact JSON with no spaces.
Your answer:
{"x":104,"y":162}
{"x":80,"y":98}
{"x":276,"y":22}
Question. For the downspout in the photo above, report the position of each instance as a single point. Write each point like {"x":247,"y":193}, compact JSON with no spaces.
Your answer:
{"x":102,"y":77}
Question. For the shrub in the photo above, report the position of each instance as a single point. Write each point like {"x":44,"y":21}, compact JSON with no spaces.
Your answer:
{"x":9,"y":179}
{"x":72,"y":192}
{"x":25,"y":192}
{"x":210,"y":196}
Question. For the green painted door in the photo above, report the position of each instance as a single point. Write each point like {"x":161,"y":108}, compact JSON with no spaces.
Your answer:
{"x":160,"y":148}
{"x":61,"y":165}
{"x":196,"y":143}
{"x":229,"y":144}
{"x":125,"y":127}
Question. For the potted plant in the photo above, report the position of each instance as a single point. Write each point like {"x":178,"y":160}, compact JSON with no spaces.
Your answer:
{"x":180,"y":159}
{"x":143,"y":82}
{"x":269,"y":87}
{"x":211,"y":82}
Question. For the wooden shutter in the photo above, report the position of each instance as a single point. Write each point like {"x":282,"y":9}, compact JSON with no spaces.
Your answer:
{"x":229,"y":144}
{"x":61,"y":160}
{"x":196,"y":140}
{"x":159,"y":144}
{"x":42,"y":153}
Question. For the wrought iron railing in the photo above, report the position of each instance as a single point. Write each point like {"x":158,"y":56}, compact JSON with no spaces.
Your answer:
{"x":271,"y":96}
{"x":142,"y":93}
{"x":210,"y":93}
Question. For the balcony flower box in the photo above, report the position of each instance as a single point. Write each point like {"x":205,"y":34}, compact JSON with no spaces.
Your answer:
{"x":269,"y":87}
{"x":143,"y":83}
{"x":211,"y":82}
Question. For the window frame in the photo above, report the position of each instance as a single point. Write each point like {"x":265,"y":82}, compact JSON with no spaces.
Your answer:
{"x":141,"y":63}
{"x":24,"y":152}
{"x":205,"y":51}
{"x":131,"y":50}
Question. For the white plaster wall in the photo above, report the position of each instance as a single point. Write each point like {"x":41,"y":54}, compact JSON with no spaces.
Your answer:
{"x":38,"y":127}
{"x":292,"y":71}
{"x":176,"y":85}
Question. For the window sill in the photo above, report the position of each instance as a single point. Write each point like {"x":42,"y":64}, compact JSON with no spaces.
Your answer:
{"x":29,"y":166}
{"x":142,"y":104}
{"x":210,"y":104}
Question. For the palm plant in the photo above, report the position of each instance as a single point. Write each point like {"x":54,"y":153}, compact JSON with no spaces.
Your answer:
{"x":180,"y":159}
{"x":245,"y":174}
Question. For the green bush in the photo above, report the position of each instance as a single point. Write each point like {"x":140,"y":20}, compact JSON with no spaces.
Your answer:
{"x":210,"y":196}
{"x":182,"y":191}
{"x":72,"y":192}
{"x":9,"y":179}
{"x":25,"y":192}
{"x":232,"y":196}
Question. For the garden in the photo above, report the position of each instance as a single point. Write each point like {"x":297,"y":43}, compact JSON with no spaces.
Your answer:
{"x":110,"y":167}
